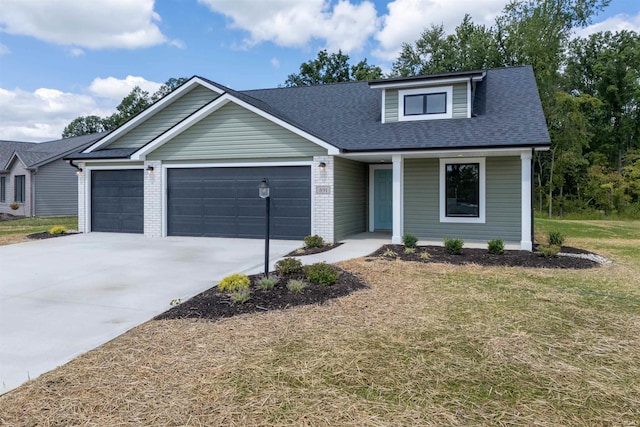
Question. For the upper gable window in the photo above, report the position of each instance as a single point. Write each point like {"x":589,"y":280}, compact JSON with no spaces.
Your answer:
{"x":425,"y":103}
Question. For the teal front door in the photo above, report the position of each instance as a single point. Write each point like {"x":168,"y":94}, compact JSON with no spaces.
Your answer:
{"x":382,"y":199}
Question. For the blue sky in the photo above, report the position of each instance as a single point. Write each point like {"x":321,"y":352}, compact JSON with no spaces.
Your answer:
{"x":60,"y":59}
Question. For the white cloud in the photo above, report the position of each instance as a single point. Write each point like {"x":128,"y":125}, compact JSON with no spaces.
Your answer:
{"x":294,"y":23}
{"x":178,"y":43}
{"x":41,"y":115}
{"x":275,"y":63}
{"x":94,"y":24}
{"x":75,"y":51}
{"x":4,"y":50}
{"x":117,"y":89}
{"x":615,"y":23}
{"x":407,"y":19}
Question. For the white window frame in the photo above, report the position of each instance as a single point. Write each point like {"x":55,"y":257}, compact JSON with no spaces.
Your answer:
{"x":480,"y":219}
{"x":425,"y":91}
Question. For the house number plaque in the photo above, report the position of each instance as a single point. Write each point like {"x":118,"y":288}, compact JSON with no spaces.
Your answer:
{"x":323,"y":189}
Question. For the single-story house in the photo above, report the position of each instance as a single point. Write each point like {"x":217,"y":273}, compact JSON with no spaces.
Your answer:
{"x":447,"y":155}
{"x":35,"y":176}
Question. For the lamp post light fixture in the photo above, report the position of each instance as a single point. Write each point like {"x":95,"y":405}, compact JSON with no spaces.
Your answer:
{"x":263,"y":192}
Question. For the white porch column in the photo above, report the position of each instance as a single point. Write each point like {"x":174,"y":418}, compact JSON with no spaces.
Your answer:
{"x":398,"y":208}
{"x":525,"y":241}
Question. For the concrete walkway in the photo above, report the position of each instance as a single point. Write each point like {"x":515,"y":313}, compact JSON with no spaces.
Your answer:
{"x":356,"y":246}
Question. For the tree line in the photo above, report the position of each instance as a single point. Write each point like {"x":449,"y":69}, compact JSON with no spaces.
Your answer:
{"x":589,"y":88}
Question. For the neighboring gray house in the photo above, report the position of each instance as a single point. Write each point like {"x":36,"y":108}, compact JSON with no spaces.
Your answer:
{"x":435,"y":156}
{"x":35,"y":176}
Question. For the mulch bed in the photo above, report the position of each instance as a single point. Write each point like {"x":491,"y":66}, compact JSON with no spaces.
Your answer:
{"x":46,"y":235}
{"x":214,"y":304}
{"x":311,"y":251}
{"x":482,"y":257}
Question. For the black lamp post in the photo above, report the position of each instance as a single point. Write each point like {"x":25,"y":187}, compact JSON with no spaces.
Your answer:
{"x":263,"y":192}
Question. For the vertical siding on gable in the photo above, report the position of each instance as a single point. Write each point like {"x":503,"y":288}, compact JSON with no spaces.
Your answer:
{"x":165,"y":118}
{"x":391,"y":105}
{"x":233,"y":132}
{"x":460,"y":101}
{"x":350,"y":197}
{"x":56,"y":190}
{"x":422,"y":199}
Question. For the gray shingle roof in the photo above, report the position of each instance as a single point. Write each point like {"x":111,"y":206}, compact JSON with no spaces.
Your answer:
{"x":506,"y":113}
{"x":37,"y":154}
{"x":347,"y":115}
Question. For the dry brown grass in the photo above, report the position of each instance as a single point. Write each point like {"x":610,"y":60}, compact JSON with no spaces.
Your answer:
{"x":427,"y":344}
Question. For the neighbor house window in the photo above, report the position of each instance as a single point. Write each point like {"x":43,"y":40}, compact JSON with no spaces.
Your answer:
{"x":462,"y":190}
{"x":425,"y":103}
{"x":19,"y":193}
{"x":3,"y":191}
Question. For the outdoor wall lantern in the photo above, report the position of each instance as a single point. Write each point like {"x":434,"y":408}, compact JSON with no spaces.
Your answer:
{"x":263,"y":192}
{"x":322,"y":166}
{"x":79,"y":171}
{"x":149,"y":169}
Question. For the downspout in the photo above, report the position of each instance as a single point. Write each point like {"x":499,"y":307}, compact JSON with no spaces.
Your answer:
{"x":75,"y":166}
{"x":532,"y":196}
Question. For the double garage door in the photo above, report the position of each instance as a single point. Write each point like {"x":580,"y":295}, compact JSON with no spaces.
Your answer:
{"x":212,"y":202}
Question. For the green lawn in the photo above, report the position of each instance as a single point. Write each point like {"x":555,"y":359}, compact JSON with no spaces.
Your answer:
{"x":16,"y":230}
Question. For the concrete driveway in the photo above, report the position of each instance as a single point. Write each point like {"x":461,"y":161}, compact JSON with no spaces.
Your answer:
{"x":62,"y":297}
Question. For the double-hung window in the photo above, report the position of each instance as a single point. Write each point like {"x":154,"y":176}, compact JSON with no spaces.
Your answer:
{"x":462,"y":190}
{"x":3,"y":189}
{"x":19,"y":191}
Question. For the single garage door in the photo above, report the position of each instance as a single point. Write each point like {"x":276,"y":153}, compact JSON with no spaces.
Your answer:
{"x":224,"y":202}
{"x":117,"y":201}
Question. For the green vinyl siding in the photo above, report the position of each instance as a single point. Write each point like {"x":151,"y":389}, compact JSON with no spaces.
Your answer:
{"x":422,"y":202}
{"x":234,"y":160}
{"x":460,"y":101}
{"x":350,"y":197}
{"x":165,"y":118}
{"x":391,"y":105}
{"x":235,"y":132}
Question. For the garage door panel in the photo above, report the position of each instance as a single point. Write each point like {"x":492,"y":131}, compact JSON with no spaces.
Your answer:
{"x":227,"y":203}
{"x":117,"y":201}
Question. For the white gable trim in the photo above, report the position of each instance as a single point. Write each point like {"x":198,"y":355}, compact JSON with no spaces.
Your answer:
{"x":211,"y":108}
{"x":153,"y":109}
{"x":426,"y":82}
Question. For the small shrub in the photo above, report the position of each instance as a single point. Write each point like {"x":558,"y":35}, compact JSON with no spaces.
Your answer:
{"x":549,"y":251}
{"x":453,"y":246}
{"x":321,"y":273}
{"x":14,"y":206}
{"x":175,"y":301}
{"x":425,"y":255}
{"x":409,"y":240}
{"x":390,"y":253}
{"x":234,"y":281}
{"x":240,"y":295}
{"x":58,"y":229}
{"x":409,"y":250}
{"x":555,"y":238}
{"x":288,"y":267}
{"x":266,"y":283}
{"x":496,"y":246}
{"x":314,"y":241}
{"x":296,"y":286}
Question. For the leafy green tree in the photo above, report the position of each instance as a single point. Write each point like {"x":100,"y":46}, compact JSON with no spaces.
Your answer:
{"x":332,"y":68}
{"x":607,"y":66}
{"x":84,"y":125}
{"x":168,"y":87}
{"x":471,"y":47}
